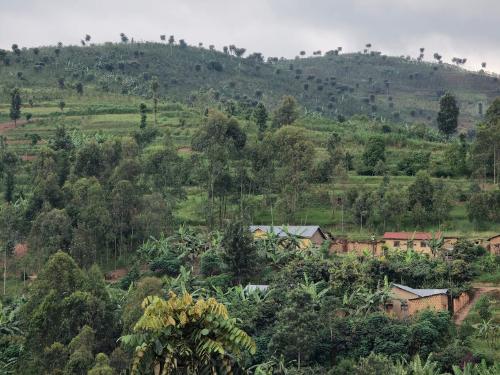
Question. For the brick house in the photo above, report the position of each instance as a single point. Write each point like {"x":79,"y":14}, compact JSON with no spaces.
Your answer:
{"x":404,"y":240}
{"x":408,"y":301}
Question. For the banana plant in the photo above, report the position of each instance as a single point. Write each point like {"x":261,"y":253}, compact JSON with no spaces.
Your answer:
{"x":313,"y":289}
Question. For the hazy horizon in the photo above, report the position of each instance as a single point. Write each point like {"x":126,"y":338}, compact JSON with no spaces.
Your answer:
{"x":459,"y":28}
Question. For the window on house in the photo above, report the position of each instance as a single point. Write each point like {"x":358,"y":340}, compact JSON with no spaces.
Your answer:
{"x":396,"y":243}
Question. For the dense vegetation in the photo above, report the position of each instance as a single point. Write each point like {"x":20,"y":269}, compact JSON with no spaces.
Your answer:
{"x":152,"y":160}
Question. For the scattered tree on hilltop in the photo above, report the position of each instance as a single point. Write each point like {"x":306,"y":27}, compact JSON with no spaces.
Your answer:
{"x":123,"y":38}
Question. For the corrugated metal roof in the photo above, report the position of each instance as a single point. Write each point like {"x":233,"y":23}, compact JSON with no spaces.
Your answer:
{"x":421,"y":292}
{"x":250,"y":288}
{"x":410,"y":235}
{"x":305,"y":231}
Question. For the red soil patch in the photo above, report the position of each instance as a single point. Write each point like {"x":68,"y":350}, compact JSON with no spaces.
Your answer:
{"x":10,"y":125}
{"x":114,"y":276}
{"x":20,"y":250}
{"x":184,"y":150}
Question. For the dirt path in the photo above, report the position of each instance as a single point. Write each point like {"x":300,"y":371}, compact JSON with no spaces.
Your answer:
{"x":479,"y":290}
{"x":6,"y":126}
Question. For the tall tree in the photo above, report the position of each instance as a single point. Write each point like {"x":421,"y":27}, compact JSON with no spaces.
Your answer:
{"x":261,"y":116}
{"x":447,"y":118}
{"x":154,"y":88}
{"x":294,"y":154}
{"x":143,"y":111}
{"x":220,"y":139}
{"x":15,"y":105}
{"x":486,"y":149}
{"x":286,"y":113}
{"x":240,"y":253}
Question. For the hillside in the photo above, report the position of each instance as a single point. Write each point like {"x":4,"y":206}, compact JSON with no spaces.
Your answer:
{"x":393,"y":88}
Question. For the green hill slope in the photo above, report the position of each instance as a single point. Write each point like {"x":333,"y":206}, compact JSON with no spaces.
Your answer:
{"x":389,"y":87}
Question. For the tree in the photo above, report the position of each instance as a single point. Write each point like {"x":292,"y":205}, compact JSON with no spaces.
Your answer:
{"x":79,"y":88}
{"x":294,"y":156}
{"x":101,"y":366}
{"x":15,"y":105}
{"x":261,"y":116}
{"x":448,"y":114}
{"x":486,"y":148}
{"x":220,"y":139}
{"x":296,"y":334}
{"x":374,"y":152}
{"x":239,"y":253}
{"x":286,"y":113}
{"x":87,"y":38}
{"x":163,"y":37}
{"x":51,"y":231}
{"x":184,"y":335}
{"x":154,"y":88}
{"x":62,"y":104}
{"x":421,"y":191}
{"x":123,"y":38}
{"x":143,"y":111}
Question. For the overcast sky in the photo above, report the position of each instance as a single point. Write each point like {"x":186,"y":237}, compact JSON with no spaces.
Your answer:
{"x":461,"y":28}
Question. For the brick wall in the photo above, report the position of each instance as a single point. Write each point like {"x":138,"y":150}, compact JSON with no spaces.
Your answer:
{"x":460,"y":302}
{"x":437,"y":303}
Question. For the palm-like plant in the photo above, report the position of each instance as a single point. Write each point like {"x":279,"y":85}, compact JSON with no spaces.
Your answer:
{"x":185,"y":336}
{"x":429,"y":367}
{"x":435,"y":243}
{"x":314,"y":289}
{"x":488,"y":330}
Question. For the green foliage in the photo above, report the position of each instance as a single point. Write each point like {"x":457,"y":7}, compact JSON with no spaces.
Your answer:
{"x":286,"y":113}
{"x":15,"y":105}
{"x":239,"y":253}
{"x":183,"y":333}
{"x":101,"y":366}
{"x":373,"y":154}
{"x":447,"y":117}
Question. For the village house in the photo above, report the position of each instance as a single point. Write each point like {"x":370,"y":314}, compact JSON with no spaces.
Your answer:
{"x":494,"y":245}
{"x":308,"y":235}
{"x":407,"y":301}
{"x":419,"y":241}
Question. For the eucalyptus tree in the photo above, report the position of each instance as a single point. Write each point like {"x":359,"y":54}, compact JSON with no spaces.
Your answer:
{"x":15,"y":105}
{"x":154,"y":88}
{"x":220,"y":139}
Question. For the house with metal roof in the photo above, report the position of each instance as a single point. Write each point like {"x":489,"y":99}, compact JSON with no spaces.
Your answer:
{"x":307,"y":234}
{"x":407,"y":301}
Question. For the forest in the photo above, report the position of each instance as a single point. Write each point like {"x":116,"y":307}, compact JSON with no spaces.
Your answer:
{"x":131,"y":173}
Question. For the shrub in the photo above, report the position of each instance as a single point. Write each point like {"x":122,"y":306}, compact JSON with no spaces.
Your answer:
{"x":211,"y":263}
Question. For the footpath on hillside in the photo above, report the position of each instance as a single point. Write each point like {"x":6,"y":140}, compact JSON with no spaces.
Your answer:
{"x":479,"y":290}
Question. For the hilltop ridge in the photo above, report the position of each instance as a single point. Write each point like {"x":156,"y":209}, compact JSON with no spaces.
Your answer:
{"x":335,"y":85}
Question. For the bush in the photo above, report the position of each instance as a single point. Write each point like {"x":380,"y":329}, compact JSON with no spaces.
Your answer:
{"x":483,"y":307}
{"x":211,"y":263}
{"x":166,"y":265}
